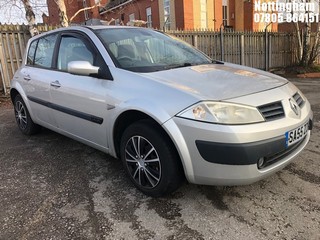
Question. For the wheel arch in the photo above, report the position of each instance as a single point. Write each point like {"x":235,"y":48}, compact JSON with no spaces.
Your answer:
{"x":129,"y":117}
{"x":13,"y":93}
{"x":17,"y":90}
{"x":124,"y":120}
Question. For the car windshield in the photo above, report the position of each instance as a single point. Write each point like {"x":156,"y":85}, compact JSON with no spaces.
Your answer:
{"x":145,"y":50}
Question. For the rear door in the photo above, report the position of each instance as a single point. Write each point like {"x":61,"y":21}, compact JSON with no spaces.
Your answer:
{"x":37,"y":76}
{"x":79,"y":102}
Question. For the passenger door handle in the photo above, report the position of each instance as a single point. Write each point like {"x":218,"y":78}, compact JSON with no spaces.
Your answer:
{"x":27,"y":78}
{"x":55,"y":84}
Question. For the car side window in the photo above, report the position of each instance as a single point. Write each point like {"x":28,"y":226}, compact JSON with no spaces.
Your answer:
{"x":44,"y":51}
{"x":73,"y":49}
{"x":31,"y":52}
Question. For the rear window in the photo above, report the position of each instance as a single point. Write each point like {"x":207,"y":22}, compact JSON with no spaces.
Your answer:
{"x":41,"y":51}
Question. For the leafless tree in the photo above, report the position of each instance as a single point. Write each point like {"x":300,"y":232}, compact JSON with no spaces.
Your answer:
{"x":63,"y":18}
{"x":21,"y":11}
{"x":308,"y":49}
{"x":31,"y":18}
{"x":84,"y":9}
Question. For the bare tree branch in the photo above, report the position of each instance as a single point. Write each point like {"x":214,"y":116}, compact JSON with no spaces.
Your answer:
{"x":84,"y":9}
{"x":63,"y":18}
{"x":31,"y":18}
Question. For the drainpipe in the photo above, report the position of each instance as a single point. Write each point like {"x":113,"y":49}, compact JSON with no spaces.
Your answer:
{"x":86,"y":16}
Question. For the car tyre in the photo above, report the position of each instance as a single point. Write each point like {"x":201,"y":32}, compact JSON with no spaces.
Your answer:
{"x":23,"y":118}
{"x":150,"y":159}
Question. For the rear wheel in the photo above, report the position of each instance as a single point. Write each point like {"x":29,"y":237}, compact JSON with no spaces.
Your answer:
{"x":23,"y":119}
{"x":150,"y":160}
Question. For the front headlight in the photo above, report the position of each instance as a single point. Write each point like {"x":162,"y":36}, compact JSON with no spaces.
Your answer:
{"x":222,"y":113}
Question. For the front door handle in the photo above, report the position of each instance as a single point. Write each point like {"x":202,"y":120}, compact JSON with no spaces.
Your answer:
{"x":27,"y":77}
{"x":55,"y":84}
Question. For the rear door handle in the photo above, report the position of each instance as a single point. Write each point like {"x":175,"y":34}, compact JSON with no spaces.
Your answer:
{"x":27,"y":78}
{"x":55,"y":84}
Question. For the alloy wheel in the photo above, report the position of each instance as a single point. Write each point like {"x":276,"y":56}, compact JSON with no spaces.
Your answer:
{"x":21,"y":115}
{"x":143,"y":162}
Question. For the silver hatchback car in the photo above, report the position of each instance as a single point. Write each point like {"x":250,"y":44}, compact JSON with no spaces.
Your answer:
{"x":165,"y":109}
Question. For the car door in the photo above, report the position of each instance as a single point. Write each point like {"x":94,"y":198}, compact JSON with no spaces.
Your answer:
{"x":37,"y":76}
{"x":78,"y":101}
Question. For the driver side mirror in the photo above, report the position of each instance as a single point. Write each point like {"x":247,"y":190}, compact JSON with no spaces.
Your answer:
{"x":82,"y":68}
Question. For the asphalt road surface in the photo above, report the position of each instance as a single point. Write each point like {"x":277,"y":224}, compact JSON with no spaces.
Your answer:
{"x":52,"y":187}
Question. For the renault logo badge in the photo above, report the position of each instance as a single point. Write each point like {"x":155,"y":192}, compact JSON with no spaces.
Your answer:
{"x":294,"y":106}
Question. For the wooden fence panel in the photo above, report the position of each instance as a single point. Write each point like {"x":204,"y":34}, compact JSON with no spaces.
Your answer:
{"x":254,"y":49}
{"x":13,"y":39}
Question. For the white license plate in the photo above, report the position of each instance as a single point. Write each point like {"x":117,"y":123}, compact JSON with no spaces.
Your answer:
{"x":297,"y":134}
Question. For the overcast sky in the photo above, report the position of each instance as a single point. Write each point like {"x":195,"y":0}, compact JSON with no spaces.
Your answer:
{"x":12,"y":11}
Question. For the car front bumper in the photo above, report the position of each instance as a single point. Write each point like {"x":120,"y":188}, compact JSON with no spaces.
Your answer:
{"x":215,"y":154}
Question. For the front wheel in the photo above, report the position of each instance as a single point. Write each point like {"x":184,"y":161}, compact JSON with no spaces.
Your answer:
{"x":150,"y":160}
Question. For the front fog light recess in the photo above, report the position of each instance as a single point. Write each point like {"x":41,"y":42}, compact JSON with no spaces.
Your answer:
{"x":260,"y":163}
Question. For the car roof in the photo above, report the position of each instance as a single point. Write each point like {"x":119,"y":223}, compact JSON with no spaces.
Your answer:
{"x":106,"y":26}
{"x":93,"y":27}
{"x":83,"y":28}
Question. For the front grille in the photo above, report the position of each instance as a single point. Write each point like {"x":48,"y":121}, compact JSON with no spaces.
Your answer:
{"x":272,"y":111}
{"x":299,"y":100}
{"x":271,"y":159}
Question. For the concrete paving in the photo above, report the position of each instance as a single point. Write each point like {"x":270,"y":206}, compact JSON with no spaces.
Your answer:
{"x":52,"y":187}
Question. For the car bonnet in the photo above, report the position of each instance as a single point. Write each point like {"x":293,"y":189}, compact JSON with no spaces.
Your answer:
{"x":218,"y":81}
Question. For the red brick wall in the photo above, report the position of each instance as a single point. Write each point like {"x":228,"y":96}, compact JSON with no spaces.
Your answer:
{"x":184,"y":14}
{"x":248,"y":16}
{"x":218,"y":13}
{"x":179,"y":11}
{"x":231,"y":13}
{"x":139,"y":10}
{"x":72,"y":7}
{"x":187,"y":15}
{"x":94,"y":13}
{"x":290,"y":27}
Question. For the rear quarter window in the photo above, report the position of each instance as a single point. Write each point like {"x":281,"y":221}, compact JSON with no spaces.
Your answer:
{"x":31,"y":52}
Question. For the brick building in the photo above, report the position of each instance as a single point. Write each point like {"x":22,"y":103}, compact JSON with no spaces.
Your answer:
{"x":167,"y":14}
{"x":186,"y":14}
{"x":163,"y":14}
{"x":120,"y":12}
{"x":72,"y":7}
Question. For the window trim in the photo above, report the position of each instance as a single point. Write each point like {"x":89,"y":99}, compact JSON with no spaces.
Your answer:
{"x":53,"y":53}
{"x":83,"y":36}
{"x":34,"y":54}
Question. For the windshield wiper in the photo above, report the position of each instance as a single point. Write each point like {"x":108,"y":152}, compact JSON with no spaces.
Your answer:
{"x":178,"y":65}
{"x":217,"y":62}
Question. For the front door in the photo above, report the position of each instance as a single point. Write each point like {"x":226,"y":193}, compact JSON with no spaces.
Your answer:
{"x":79,"y":102}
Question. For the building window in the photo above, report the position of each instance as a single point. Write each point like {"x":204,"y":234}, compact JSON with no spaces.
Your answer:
{"x":166,"y":5}
{"x":131,"y":17}
{"x":203,"y":14}
{"x":149,"y":18}
{"x":225,"y":13}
